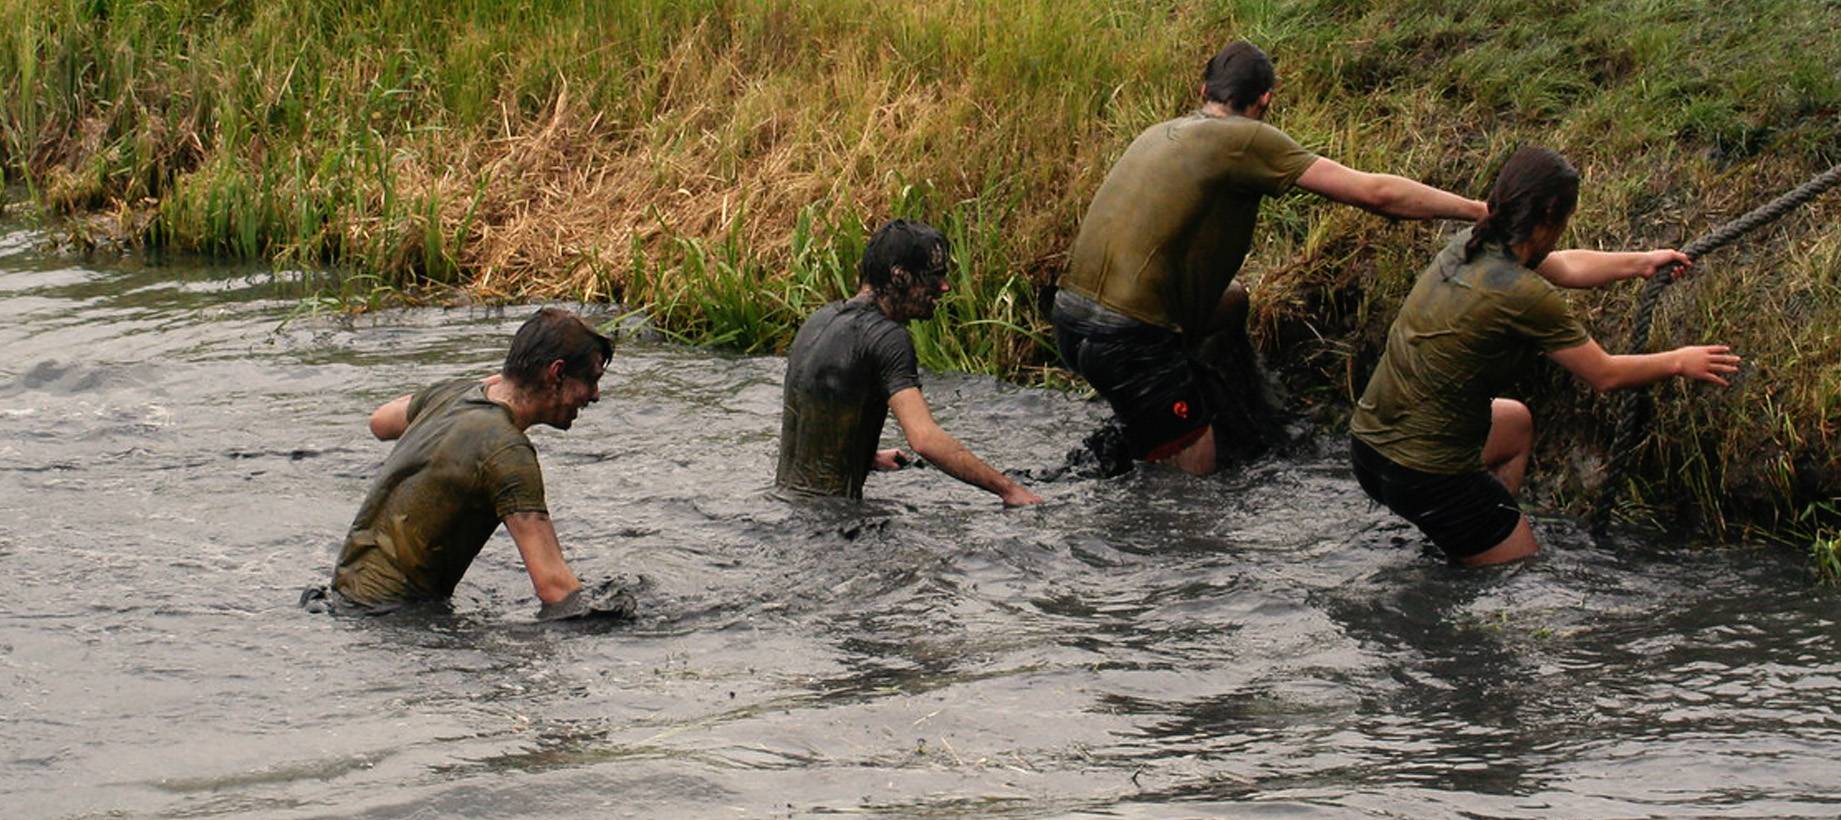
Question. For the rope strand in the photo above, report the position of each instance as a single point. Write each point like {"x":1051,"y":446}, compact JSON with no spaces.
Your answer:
{"x":1635,"y":406}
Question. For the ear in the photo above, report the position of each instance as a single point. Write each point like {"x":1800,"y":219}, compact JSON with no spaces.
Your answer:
{"x":553,"y":373}
{"x":1265,"y":100}
{"x":1201,"y":90}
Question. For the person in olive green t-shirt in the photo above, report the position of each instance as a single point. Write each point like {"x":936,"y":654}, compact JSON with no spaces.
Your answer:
{"x":1431,"y":440}
{"x":463,"y":465}
{"x":1150,"y":276}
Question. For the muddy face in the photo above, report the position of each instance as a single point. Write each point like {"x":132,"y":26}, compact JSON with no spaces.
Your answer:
{"x":572,"y":393}
{"x":914,"y":295}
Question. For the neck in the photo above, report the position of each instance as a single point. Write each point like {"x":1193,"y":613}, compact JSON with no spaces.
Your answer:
{"x":1221,"y":110}
{"x":515,"y":401}
{"x":1525,"y":252}
{"x":882,"y":302}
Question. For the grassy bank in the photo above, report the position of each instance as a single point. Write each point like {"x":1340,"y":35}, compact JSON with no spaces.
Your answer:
{"x":715,"y":162}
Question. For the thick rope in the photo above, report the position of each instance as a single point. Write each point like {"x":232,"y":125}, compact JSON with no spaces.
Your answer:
{"x":1635,"y":406}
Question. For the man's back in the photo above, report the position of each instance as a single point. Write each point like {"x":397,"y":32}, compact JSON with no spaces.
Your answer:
{"x":1170,"y":226}
{"x":845,"y":363}
{"x":461,"y":466}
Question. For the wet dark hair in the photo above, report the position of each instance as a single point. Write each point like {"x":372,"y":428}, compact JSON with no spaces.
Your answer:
{"x":1535,"y":187}
{"x":914,"y":247}
{"x":1237,"y":75}
{"x":551,"y":334}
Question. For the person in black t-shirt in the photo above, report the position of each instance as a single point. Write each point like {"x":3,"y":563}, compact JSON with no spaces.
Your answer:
{"x":852,"y":362}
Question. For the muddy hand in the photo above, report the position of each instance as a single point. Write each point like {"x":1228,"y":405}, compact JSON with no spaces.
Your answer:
{"x":605,"y":600}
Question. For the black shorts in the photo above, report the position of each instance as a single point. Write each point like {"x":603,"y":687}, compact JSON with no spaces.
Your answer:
{"x":1463,"y":514}
{"x":1147,"y":377}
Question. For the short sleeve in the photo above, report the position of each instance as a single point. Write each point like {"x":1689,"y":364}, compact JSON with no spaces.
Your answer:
{"x":1273,"y":162}
{"x":1548,"y":322}
{"x":515,"y":480}
{"x":436,"y":394}
{"x":896,"y":366}
{"x":419,"y":401}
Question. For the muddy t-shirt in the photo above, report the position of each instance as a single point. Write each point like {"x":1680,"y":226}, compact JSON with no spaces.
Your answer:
{"x":1466,"y":331}
{"x":1171,"y":224}
{"x":460,"y":467}
{"x":845,"y":363}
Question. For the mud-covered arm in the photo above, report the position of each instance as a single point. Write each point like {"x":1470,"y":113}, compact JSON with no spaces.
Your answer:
{"x":542,"y":554}
{"x":1580,"y":268}
{"x":947,"y":453}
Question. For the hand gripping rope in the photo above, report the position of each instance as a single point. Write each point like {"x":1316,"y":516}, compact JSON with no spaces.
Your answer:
{"x":1635,"y":406}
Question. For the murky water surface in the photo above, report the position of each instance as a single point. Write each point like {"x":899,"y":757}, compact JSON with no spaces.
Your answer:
{"x":177,"y":462}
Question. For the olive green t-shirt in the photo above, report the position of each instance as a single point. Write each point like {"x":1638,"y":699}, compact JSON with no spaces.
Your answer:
{"x":1171,"y":224}
{"x":460,"y":467}
{"x":1466,"y":331}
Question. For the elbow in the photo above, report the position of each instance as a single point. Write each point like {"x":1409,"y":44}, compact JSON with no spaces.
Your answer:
{"x":1605,"y":382}
{"x":381,"y":428}
{"x":1384,"y":195}
{"x":1380,"y":199}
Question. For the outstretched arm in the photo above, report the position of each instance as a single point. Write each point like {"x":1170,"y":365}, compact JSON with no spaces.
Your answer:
{"x":944,"y":451}
{"x":1386,"y":194}
{"x":1605,"y":372}
{"x":1579,"y":268}
{"x":543,"y":556}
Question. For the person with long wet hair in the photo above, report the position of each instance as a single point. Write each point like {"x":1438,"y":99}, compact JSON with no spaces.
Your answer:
{"x":1431,"y":439}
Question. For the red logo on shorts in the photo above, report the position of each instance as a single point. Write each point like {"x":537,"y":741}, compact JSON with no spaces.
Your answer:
{"x":1181,"y":409}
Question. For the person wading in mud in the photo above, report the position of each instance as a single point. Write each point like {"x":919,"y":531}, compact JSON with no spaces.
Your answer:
{"x":852,"y":362}
{"x":1148,"y":311}
{"x":1430,"y":439}
{"x":461,"y":466}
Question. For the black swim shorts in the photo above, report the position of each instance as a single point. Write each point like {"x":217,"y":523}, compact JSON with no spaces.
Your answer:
{"x":1141,"y":370}
{"x":1463,"y":514}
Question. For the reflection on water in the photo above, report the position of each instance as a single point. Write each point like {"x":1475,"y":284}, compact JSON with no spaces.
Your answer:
{"x":180,"y":453}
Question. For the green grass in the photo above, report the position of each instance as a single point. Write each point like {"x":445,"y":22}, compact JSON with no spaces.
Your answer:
{"x":1817,"y":530}
{"x":1825,"y":556}
{"x":717,"y":164}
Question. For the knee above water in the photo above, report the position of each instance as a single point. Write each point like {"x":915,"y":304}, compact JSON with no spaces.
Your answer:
{"x":1512,"y":415}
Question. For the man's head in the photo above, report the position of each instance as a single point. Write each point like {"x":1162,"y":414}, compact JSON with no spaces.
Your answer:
{"x":905,"y":266}
{"x":1240,"y":77}
{"x":555,"y":363}
{"x":1534,"y":196}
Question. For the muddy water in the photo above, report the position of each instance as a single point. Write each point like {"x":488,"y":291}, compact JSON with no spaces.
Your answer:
{"x":178,"y":458}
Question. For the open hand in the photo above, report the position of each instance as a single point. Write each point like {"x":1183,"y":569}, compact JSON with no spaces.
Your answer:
{"x":1707,"y":363}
